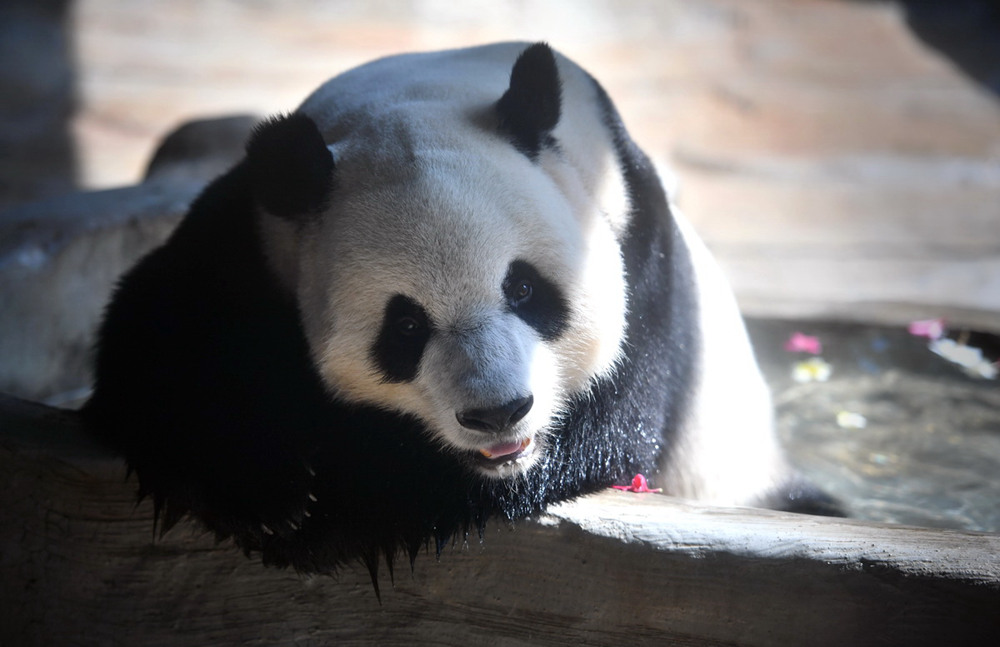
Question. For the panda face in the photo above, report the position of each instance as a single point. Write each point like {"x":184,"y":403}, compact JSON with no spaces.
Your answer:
{"x":468,"y":291}
{"x":462,"y":266}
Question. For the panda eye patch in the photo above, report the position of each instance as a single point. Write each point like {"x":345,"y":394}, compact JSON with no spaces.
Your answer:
{"x":535,"y":299}
{"x":401,"y":339}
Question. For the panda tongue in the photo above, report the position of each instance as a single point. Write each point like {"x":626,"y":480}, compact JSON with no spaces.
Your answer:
{"x":503,"y":449}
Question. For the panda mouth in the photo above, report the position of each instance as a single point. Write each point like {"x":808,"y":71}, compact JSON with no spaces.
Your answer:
{"x":502,"y":454}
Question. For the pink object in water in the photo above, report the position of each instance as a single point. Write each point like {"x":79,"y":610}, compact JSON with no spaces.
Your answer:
{"x":800,"y":343}
{"x":929,"y":328}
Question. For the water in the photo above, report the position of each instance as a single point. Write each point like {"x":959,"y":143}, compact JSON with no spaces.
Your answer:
{"x":924,"y":446}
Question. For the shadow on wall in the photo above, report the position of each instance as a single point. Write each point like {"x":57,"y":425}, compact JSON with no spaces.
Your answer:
{"x":37,"y":100}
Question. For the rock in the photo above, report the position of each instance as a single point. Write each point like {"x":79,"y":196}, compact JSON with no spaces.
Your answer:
{"x":59,"y":261}
{"x":201,"y":149}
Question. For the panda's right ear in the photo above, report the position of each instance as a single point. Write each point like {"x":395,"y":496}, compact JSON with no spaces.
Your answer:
{"x":290,"y":167}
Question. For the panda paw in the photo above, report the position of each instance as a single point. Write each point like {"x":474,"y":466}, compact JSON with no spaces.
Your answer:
{"x":801,"y":496}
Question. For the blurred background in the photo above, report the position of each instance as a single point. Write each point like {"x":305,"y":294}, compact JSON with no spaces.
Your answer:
{"x":841,"y":158}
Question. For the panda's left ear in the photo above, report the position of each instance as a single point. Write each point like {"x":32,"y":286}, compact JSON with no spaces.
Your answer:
{"x":530,"y":108}
{"x":290,"y":167}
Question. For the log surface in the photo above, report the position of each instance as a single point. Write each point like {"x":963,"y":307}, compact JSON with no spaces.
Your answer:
{"x":79,"y":566}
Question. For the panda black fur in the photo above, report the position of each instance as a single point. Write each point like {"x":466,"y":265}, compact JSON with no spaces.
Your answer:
{"x":448,"y":288}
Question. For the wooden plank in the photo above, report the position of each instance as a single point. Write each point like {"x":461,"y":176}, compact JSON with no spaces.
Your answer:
{"x":78,"y":565}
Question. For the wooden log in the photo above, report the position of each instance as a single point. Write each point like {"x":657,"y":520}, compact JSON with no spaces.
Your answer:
{"x":79,"y":566}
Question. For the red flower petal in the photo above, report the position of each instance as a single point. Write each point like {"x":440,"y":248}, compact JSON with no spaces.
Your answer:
{"x":639,"y":484}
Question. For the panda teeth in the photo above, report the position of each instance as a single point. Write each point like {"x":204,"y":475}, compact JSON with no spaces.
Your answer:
{"x":490,"y":455}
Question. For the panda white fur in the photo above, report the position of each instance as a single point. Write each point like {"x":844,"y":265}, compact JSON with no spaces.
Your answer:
{"x":449,"y":287}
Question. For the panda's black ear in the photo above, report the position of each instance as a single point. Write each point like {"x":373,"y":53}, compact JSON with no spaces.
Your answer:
{"x":529,"y":110}
{"x":290,"y":167}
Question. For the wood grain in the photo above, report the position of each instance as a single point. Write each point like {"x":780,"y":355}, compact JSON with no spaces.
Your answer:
{"x":79,"y":566}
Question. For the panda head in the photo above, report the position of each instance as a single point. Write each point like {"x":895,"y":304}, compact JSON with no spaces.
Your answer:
{"x":448,"y":262}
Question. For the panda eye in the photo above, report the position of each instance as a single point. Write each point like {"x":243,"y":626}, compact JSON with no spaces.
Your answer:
{"x":408,"y":326}
{"x":518,"y":292}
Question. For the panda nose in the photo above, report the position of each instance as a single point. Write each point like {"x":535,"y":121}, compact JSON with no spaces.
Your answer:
{"x":495,"y":419}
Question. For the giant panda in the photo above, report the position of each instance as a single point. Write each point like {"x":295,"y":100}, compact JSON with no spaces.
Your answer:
{"x":448,"y":288}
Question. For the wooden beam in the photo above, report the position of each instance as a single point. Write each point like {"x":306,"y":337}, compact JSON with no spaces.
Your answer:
{"x":79,"y":566}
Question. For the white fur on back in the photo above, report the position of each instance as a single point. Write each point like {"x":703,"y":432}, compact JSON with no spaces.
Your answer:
{"x":726,"y":450}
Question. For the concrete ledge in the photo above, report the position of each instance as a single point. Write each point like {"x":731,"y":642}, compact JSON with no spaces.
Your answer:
{"x":78,"y":565}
